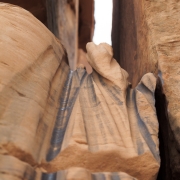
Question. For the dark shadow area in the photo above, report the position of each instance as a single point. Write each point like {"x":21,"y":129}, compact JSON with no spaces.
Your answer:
{"x":161,"y":109}
{"x":36,"y":7}
{"x":124,"y":36}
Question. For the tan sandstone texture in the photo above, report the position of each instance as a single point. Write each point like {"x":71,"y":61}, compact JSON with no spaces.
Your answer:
{"x":158,"y":41}
{"x":109,"y":126}
{"x":53,"y":118}
{"x":163,"y":20}
{"x":31,"y":80}
{"x":83,"y":174}
{"x":146,"y":38}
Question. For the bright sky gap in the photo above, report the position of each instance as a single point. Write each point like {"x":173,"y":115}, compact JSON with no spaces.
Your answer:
{"x":103,"y":21}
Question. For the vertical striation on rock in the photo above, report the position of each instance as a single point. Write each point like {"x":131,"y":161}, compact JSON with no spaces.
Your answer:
{"x":157,"y":37}
{"x":54,"y":119}
{"x":32,"y":67}
{"x":72,"y":21}
{"x":110,"y":127}
{"x":86,"y":23}
{"x":82,"y":174}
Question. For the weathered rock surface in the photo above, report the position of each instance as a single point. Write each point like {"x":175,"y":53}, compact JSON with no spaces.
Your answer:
{"x":72,"y":21}
{"x":67,"y":24}
{"x":105,"y":125}
{"x":31,"y":80}
{"x":53,"y":118}
{"x":36,"y":7}
{"x":82,"y":174}
{"x":168,"y":52}
{"x":12,"y":168}
{"x":152,"y":33}
{"x":128,"y":54}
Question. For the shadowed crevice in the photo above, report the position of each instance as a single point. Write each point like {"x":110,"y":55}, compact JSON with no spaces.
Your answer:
{"x":165,"y":171}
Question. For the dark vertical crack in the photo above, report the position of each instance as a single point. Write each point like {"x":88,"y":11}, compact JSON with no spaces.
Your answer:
{"x":165,"y":172}
{"x":170,"y":156}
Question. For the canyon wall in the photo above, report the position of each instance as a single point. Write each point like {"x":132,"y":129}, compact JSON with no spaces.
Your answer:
{"x":145,"y":38}
{"x":56,"y":123}
{"x":59,"y":122}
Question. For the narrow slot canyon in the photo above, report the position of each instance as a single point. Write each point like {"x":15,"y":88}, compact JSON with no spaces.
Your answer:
{"x":68,"y":110}
{"x":137,"y":45}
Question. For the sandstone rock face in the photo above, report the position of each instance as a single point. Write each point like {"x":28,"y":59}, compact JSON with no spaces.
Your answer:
{"x":166,"y":39}
{"x":82,"y":174}
{"x":31,"y":81}
{"x":12,"y":168}
{"x":54,"y":119}
{"x":154,"y":41}
{"x":72,"y":21}
{"x":106,"y":126}
{"x":124,"y":40}
{"x":36,"y":7}
{"x":67,"y":25}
